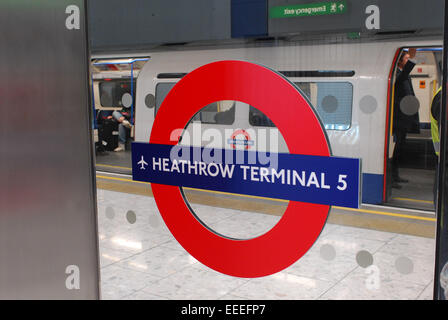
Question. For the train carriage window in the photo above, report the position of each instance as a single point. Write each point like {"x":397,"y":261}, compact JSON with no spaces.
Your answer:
{"x":162,"y":90}
{"x":333,"y":101}
{"x":111,"y":92}
{"x":258,"y":118}
{"x":220,"y":112}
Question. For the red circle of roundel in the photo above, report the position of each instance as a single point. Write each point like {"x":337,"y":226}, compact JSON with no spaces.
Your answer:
{"x":278,"y":99}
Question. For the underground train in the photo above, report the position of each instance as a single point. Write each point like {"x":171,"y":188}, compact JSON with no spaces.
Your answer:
{"x":350,"y":86}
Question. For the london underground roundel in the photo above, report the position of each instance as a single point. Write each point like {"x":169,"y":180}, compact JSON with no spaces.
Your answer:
{"x":308,"y":176}
{"x":246,"y":141}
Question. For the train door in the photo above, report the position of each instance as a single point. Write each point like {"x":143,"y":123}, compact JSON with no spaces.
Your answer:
{"x":411,"y":158}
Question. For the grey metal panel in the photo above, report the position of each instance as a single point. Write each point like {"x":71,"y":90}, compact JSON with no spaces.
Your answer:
{"x":395,"y":16}
{"x":134,"y":24}
{"x":47,"y":188}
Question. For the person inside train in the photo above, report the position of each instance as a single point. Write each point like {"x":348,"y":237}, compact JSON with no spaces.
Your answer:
{"x":403,"y":122}
{"x":104,"y":130}
{"x":435,"y":116}
{"x":124,"y":124}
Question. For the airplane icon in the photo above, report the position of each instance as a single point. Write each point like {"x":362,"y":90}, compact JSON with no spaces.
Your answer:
{"x":143,"y":163}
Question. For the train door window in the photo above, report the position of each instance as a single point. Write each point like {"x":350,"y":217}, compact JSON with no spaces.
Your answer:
{"x":112,"y":91}
{"x":220,"y":112}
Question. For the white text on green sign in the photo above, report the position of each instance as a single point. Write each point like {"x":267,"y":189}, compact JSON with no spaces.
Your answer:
{"x":311,"y":9}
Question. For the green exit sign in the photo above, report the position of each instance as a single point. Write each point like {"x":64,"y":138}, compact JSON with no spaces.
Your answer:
{"x":311,"y":9}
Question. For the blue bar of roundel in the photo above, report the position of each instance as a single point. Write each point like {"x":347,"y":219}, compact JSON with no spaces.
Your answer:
{"x":337,"y":172}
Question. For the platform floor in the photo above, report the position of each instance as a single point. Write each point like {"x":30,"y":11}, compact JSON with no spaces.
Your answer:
{"x":118,"y":162}
{"x":140,"y":259}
